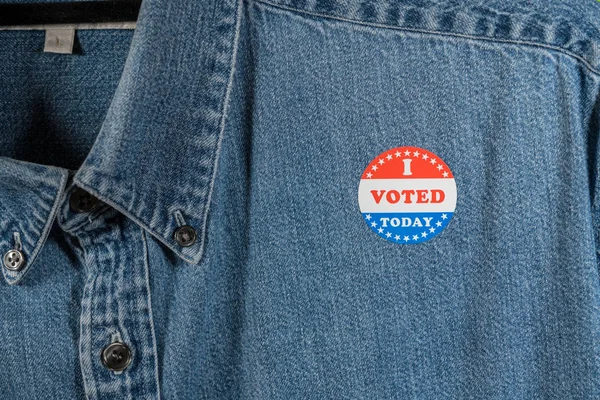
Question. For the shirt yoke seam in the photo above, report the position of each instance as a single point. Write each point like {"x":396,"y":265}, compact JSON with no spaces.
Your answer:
{"x":546,"y":46}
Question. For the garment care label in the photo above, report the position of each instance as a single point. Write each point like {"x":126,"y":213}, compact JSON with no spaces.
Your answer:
{"x":407,"y":195}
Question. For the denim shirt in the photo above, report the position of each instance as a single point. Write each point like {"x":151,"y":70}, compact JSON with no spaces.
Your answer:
{"x":196,"y":192}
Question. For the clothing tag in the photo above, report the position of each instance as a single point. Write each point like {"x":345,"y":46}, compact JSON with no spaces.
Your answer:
{"x":59,"y":40}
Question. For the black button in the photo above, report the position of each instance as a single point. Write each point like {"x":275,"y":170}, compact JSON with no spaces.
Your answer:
{"x":82,"y":202}
{"x":116,"y":356}
{"x":185,"y":235}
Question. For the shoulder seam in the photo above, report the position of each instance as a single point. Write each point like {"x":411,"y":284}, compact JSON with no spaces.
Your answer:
{"x":547,"y":46}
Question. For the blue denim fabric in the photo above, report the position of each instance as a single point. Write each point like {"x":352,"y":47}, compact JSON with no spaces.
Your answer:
{"x":252,"y":121}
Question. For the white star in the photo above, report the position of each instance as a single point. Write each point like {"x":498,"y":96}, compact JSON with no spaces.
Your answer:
{"x":397,"y":237}
{"x":444,"y":216}
{"x":438,"y":223}
{"x":416,"y":153}
{"x":445,"y":174}
{"x":368,"y":216}
{"x":439,"y":167}
{"x":389,"y":234}
{"x":380,"y":230}
{"x":369,"y":174}
{"x":406,"y":238}
{"x":432,"y":161}
{"x":381,"y":161}
{"x":389,"y":157}
{"x":425,"y":156}
{"x":374,"y":167}
{"x":424,"y":234}
{"x":407,"y":153}
{"x":373,"y":224}
{"x":397,"y":154}
{"x":415,"y":237}
{"x":432,"y":229}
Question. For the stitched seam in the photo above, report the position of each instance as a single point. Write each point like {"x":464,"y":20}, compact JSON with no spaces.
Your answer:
{"x":85,"y":321}
{"x":150,"y":312}
{"x":217,"y":151}
{"x":546,"y":46}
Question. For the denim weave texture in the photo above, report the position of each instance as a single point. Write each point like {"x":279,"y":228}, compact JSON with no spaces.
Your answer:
{"x":252,"y":121}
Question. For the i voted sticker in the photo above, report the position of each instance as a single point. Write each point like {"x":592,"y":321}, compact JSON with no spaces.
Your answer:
{"x":407,"y":195}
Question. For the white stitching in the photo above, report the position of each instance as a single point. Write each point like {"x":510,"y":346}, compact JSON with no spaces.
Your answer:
{"x":586,"y":63}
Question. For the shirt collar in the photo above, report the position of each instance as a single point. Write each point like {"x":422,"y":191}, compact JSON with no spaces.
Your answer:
{"x":155,"y":156}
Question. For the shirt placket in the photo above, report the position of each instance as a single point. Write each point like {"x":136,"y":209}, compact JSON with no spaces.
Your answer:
{"x":117,"y":345}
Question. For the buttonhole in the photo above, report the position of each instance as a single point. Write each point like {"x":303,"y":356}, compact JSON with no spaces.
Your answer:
{"x":17,"y":238}
{"x":179,"y":218}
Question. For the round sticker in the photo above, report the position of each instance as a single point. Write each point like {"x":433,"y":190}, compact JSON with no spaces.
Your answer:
{"x":407,"y":195}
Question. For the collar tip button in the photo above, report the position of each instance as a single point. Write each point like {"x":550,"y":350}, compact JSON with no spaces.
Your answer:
{"x":185,"y":235}
{"x":13,"y":260}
